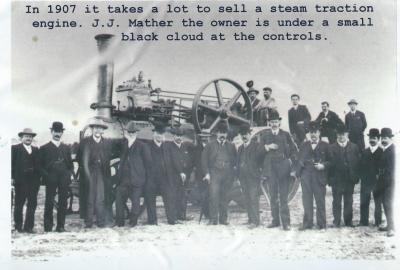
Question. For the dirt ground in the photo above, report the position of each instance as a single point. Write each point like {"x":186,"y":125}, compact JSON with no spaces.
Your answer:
{"x":200,"y":244}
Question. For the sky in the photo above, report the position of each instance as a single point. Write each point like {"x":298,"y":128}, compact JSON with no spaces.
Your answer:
{"x":54,"y":72}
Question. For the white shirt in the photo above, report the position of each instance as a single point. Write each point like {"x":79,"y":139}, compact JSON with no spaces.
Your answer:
{"x":275,"y":132}
{"x":387,"y":146}
{"x":373,"y":148}
{"x":314,"y":145}
{"x":157,"y":143}
{"x":28,"y":148}
{"x":295,"y":106}
{"x":343,"y":144}
{"x":131,"y":142}
{"x":96,"y":139}
{"x":221,"y":142}
{"x":246,"y":144}
{"x":178,"y":144}
{"x":56,"y":143}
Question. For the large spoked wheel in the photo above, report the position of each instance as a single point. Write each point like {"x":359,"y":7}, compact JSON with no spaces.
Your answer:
{"x":212,"y":105}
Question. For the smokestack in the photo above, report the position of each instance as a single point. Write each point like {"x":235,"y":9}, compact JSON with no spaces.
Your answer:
{"x":105,"y":79}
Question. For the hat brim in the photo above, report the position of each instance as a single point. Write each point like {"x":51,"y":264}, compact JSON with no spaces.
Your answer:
{"x":57,"y":129}
{"x":98,"y":125}
{"x":280,"y":118}
{"x":255,"y":91}
{"x":26,"y":133}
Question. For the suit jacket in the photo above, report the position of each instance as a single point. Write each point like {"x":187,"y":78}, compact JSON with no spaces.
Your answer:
{"x":135,"y":163}
{"x":355,"y":124}
{"x":210,"y":152}
{"x":51,"y":159}
{"x":287,"y":151}
{"x":329,"y":125}
{"x":307,"y":157}
{"x":181,"y":159}
{"x":369,"y":166}
{"x":301,"y":114}
{"x":18,"y":170}
{"x":345,"y":170}
{"x":387,"y":165}
{"x":109,"y":149}
{"x":250,"y":160}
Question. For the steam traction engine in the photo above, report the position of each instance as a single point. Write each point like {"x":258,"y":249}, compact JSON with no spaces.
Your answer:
{"x":136,"y":100}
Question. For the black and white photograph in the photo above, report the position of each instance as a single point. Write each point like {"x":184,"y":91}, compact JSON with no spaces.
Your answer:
{"x":199,"y":134}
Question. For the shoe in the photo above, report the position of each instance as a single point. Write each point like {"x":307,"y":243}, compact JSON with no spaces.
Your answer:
{"x":19,"y":230}
{"x":304,"y":228}
{"x":252,"y":226}
{"x":321,"y":227}
{"x":383,"y":229}
{"x":178,"y":222}
{"x":48,"y":230}
{"x":362,"y":224}
{"x":30,"y":231}
{"x":60,"y":230}
{"x":390,"y":233}
{"x":336,"y":225}
{"x":212,"y":222}
{"x":88,"y":226}
{"x":286,"y":227}
{"x":224,"y":222}
{"x":350,"y":225}
{"x":272,"y":226}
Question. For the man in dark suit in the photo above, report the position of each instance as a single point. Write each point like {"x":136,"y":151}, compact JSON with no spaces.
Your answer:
{"x":299,"y":118}
{"x":25,"y":173}
{"x":182,"y":151}
{"x":387,"y":177}
{"x":249,"y":163}
{"x":356,"y":124}
{"x":344,"y":176}
{"x":201,"y":187}
{"x":329,"y":122}
{"x":219,"y":160}
{"x":134,"y":169}
{"x":252,"y":93}
{"x":312,"y":169}
{"x":277,"y":169}
{"x":95,"y":154}
{"x":369,"y":171}
{"x":162,"y":179}
{"x":57,"y":169}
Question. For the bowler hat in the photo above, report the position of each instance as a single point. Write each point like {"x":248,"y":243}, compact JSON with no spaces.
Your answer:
{"x":373,"y":132}
{"x":96,"y":122}
{"x":341,"y":129}
{"x":57,"y":127}
{"x":244,"y":129}
{"x":253,"y":90}
{"x":274,"y":115}
{"x":222,"y":127}
{"x":386,"y":132}
{"x":325,"y":103}
{"x":131,"y":127}
{"x":295,"y":95}
{"x":159,"y":128}
{"x":250,"y":84}
{"x":26,"y":131}
{"x":177,"y":131}
{"x":314,"y":126}
{"x":352,"y":101}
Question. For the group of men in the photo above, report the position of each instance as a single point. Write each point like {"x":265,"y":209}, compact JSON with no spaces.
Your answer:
{"x":332,"y":154}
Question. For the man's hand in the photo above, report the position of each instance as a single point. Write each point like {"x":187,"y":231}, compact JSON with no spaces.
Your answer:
{"x":207,"y":178}
{"x":272,"y":146}
{"x":293,"y":174}
{"x":300,"y":122}
{"x":319,"y":166}
{"x":183,"y":177}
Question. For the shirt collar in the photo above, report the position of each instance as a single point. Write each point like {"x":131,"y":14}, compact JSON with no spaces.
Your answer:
{"x":97,"y":140}
{"x":157,"y":143}
{"x":275,"y":132}
{"x":131,"y":142}
{"x":312,"y":143}
{"x":28,"y":148}
{"x":56,"y":143}
{"x":221,"y":142}
{"x":387,"y":146}
{"x":343,"y":144}
{"x":296,"y":106}
{"x":178,"y":144}
{"x":373,"y":148}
